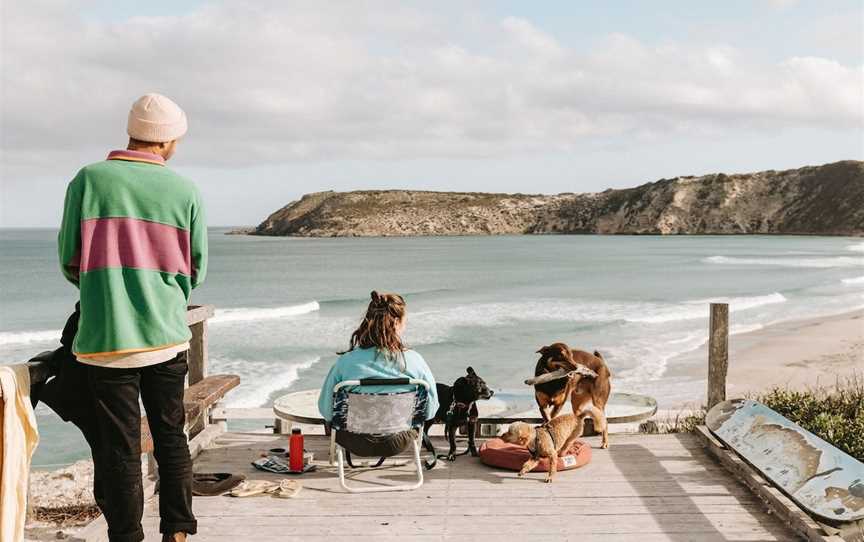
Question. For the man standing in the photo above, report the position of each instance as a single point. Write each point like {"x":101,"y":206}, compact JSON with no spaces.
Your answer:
{"x":134,"y":241}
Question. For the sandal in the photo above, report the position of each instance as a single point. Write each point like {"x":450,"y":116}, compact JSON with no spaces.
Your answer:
{"x":288,"y":489}
{"x":251,"y":488}
{"x":211,"y":484}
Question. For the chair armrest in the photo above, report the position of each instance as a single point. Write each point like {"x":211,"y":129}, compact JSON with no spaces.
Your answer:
{"x":382,"y":382}
{"x":385,"y":381}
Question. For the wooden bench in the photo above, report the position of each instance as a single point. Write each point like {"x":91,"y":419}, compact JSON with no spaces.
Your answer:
{"x":197,"y":401}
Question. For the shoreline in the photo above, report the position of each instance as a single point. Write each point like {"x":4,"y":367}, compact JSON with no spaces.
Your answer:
{"x":252,"y":232}
{"x":795,"y":354}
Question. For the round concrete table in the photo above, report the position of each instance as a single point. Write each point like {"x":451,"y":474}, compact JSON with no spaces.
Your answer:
{"x":505,"y":407}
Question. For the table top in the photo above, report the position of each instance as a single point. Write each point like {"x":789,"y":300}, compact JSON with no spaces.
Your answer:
{"x":504,"y":407}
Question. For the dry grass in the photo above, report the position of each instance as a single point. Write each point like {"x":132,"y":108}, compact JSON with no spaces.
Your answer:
{"x":683,"y":421}
{"x":67,"y":515}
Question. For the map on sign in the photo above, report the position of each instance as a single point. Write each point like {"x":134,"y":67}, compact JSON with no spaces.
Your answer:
{"x":823,"y":480}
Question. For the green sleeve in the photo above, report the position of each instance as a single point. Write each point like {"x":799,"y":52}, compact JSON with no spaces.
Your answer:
{"x":198,"y":239}
{"x":69,"y":238}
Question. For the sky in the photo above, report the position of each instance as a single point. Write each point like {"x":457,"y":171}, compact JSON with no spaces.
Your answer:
{"x":285,"y":98}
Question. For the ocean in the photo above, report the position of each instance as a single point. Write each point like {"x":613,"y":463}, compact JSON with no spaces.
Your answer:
{"x":286,"y":305}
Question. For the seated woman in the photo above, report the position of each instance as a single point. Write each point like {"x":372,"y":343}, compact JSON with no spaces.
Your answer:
{"x":377,"y":351}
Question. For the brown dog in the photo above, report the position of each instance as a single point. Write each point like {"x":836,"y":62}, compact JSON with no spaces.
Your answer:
{"x":586,"y":394}
{"x":548,"y":440}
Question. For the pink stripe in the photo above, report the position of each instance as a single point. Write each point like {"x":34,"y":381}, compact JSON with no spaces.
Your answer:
{"x":134,"y":243}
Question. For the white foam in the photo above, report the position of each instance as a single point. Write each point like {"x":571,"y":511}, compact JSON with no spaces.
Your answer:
{"x":854,"y":280}
{"x":248,"y":314}
{"x":744,"y":328}
{"x":742,"y":303}
{"x":26,"y":337}
{"x":648,"y":357}
{"x":691,"y":310}
{"x":826,"y":262}
{"x":259,"y":380}
{"x":435,"y":326}
{"x":856,"y":248}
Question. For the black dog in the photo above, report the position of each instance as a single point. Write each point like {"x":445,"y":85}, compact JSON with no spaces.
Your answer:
{"x":458,"y":407}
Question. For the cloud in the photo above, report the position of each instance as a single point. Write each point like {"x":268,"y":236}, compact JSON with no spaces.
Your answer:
{"x":532,"y":38}
{"x":782,"y":4}
{"x":276,"y":82}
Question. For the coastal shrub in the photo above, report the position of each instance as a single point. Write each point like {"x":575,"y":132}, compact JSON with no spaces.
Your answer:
{"x":834,"y":414}
{"x":684,"y":421}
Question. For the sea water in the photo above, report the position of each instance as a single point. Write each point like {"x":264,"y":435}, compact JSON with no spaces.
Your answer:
{"x":285,"y":306}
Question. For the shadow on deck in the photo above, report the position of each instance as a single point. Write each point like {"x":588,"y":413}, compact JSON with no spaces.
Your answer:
{"x":645,"y":487}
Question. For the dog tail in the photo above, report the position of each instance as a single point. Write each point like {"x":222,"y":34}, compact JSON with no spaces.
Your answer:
{"x":597,"y":354}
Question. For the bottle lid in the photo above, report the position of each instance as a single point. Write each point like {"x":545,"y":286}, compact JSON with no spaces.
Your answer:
{"x":295,"y":431}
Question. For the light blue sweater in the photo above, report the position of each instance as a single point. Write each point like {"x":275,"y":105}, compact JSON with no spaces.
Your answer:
{"x":362,"y":363}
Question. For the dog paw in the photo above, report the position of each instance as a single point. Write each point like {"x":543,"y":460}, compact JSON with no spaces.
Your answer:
{"x":547,"y":481}
{"x":451,"y":457}
{"x":605,"y":445}
{"x":474,"y":452}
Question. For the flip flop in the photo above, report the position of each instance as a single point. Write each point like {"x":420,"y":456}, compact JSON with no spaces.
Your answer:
{"x":251,"y":488}
{"x":288,"y":489}
{"x":211,"y":484}
{"x":284,"y":489}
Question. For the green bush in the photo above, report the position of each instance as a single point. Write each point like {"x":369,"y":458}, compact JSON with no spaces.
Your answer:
{"x":834,"y":414}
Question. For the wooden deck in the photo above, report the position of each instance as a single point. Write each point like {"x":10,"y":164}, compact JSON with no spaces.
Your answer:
{"x":645,"y":488}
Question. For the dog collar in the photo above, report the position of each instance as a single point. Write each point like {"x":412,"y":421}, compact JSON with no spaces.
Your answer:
{"x":456,"y":405}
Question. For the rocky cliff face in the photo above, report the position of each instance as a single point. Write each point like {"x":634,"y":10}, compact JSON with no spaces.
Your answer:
{"x":821,"y":200}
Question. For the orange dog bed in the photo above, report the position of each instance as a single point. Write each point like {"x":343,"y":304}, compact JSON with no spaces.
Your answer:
{"x":497,"y":453}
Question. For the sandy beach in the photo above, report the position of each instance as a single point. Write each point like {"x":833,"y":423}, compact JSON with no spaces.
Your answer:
{"x":796,"y":354}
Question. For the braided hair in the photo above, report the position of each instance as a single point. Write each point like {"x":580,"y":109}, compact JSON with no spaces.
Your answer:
{"x":380,"y":327}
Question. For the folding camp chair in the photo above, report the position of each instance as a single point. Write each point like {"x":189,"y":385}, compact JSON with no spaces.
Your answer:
{"x":378,"y":414}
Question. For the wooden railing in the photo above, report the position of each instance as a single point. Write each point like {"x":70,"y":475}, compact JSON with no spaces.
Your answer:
{"x":197,"y":316}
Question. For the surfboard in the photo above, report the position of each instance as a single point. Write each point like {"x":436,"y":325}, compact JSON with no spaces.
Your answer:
{"x":824,"y":481}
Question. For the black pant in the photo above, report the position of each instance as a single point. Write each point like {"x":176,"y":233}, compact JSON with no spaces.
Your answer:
{"x":117,"y":461}
{"x":366,"y":445}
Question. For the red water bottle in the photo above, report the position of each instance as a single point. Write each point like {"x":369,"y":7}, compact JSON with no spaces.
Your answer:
{"x":295,"y":451}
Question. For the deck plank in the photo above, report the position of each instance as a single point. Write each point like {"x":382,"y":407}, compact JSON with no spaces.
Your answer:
{"x":653,"y":488}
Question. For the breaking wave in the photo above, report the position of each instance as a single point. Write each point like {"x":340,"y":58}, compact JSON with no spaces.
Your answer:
{"x":243,"y":314}
{"x":26,"y":337}
{"x":826,"y":262}
{"x":261,"y":380}
{"x":697,"y":308}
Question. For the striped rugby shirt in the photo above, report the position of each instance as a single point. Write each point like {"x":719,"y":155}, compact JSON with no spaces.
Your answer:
{"x":134,"y":241}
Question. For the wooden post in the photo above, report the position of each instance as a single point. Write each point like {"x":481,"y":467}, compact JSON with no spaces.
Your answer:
{"x":196,"y":317}
{"x":718,"y":353}
{"x":222,"y":423}
{"x":198,"y":352}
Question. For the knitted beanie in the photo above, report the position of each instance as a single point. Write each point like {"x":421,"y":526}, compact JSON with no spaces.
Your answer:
{"x":156,"y":119}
